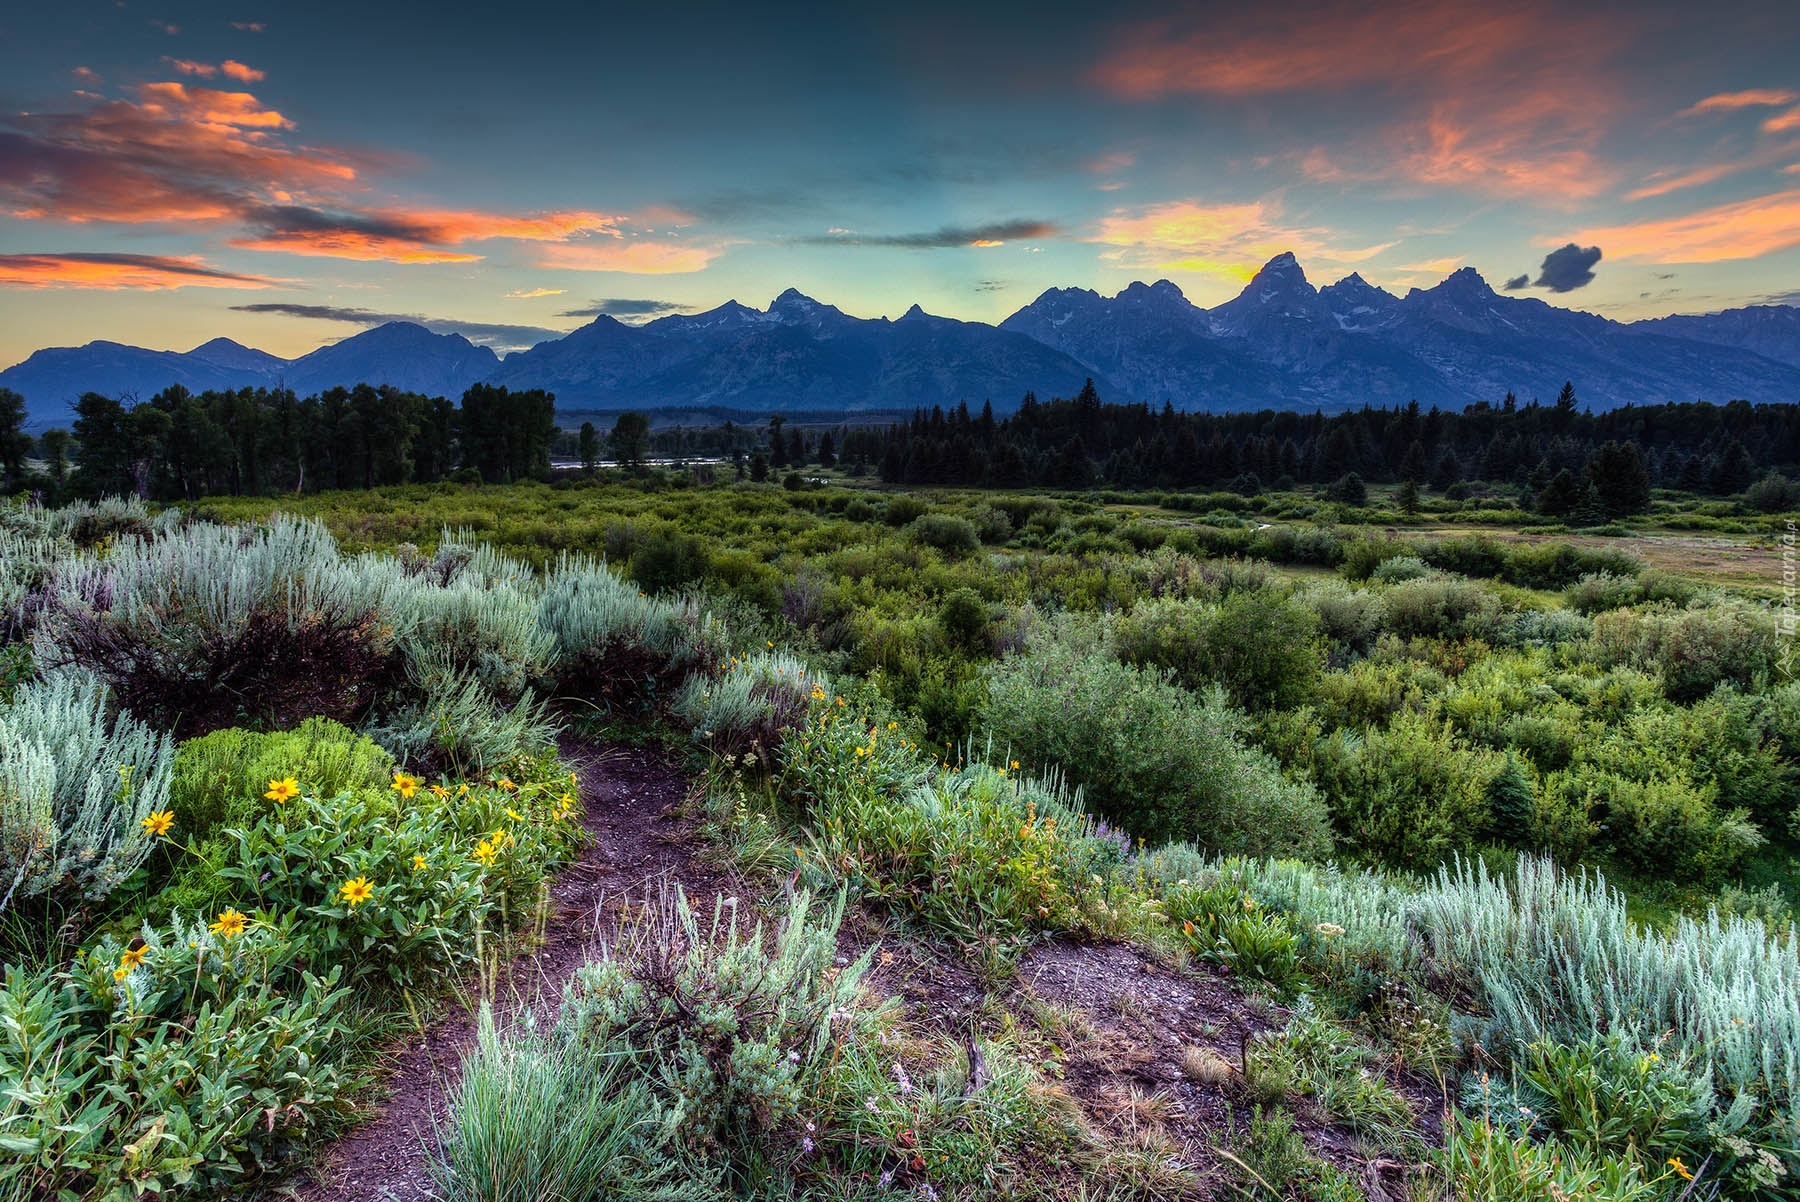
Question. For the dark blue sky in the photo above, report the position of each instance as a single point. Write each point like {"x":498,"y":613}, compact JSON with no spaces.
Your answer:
{"x":283,"y":172}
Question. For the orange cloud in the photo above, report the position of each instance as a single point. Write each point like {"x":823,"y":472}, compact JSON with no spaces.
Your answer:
{"x":238,"y":71}
{"x":405,"y":236}
{"x":85,"y":75}
{"x":1231,"y":240}
{"x":189,"y":67}
{"x":533,"y":293}
{"x":636,"y":256}
{"x":179,"y":153}
{"x":1744,"y":229}
{"x":1514,"y":97}
{"x":1749,"y":98}
{"x":119,"y":271}
{"x":1782,"y":123}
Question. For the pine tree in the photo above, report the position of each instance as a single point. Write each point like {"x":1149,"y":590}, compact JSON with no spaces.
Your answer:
{"x":1617,"y":474}
{"x":587,"y":445}
{"x":1408,"y":498}
{"x":1511,"y":805}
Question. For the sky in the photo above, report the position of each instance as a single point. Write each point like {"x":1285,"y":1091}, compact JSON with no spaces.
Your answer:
{"x":287,"y":174}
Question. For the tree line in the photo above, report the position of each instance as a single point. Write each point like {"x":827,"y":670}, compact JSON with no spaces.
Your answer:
{"x":1562,"y":459}
{"x":180,"y":446}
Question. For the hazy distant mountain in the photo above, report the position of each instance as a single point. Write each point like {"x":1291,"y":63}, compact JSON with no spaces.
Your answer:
{"x":400,"y":353}
{"x":1280,"y":343}
{"x":797,"y":355}
{"x":1352,"y":343}
{"x":1772,"y":331}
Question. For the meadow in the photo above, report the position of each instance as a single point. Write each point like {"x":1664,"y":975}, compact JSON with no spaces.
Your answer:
{"x":1491,"y":821}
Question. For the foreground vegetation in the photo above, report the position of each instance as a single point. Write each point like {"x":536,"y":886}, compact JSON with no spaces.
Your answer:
{"x":262,"y":784}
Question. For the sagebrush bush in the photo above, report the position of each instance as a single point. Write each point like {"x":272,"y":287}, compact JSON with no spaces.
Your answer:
{"x":77,"y":791}
{"x":1149,"y":756}
{"x":615,"y":647}
{"x":204,"y":627}
{"x":759,"y":1019}
{"x":752,"y":704}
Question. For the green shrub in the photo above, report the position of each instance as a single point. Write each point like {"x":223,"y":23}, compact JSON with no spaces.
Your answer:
{"x":77,"y":788}
{"x":187,"y":1072}
{"x":1149,"y":755}
{"x":1692,"y":650}
{"x":946,"y":532}
{"x":1261,"y":646}
{"x":1437,"y":607}
{"x":220,"y":779}
{"x":963,"y":619}
{"x":1409,"y":796}
{"x":902,"y":509}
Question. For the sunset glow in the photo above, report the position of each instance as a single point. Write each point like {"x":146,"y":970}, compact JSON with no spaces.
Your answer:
{"x":440,"y":163}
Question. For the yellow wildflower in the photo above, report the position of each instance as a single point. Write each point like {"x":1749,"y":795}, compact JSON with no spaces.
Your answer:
{"x":357,"y":891}
{"x":1014,"y":765}
{"x":419,"y":863}
{"x":405,"y":785}
{"x":159,"y":822}
{"x":282,"y":790}
{"x":439,"y":792}
{"x":119,"y":974}
{"x":1681,"y":1170}
{"x":228,"y":923}
{"x":485,"y":851}
{"x":131,"y":957}
{"x":514,"y":814}
{"x":506,"y":784}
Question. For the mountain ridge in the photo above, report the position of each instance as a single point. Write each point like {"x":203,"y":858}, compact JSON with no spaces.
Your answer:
{"x":1280,"y":343}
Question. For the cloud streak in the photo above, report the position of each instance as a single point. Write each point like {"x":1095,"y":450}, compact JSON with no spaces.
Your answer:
{"x":949,"y":236}
{"x":495,"y":334}
{"x":119,"y":272}
{"x":175,"y":153}
{"x":1744,"y":229}
{"x":621,"y":306}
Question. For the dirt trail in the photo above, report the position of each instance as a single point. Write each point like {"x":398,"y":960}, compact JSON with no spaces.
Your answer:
{"x":626,"y":794}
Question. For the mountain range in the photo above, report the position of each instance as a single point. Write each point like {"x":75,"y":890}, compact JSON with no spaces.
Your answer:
{"x":1281,"y":343}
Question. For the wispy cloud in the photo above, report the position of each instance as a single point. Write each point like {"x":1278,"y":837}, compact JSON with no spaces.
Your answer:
{"x":1726,"y":102}
{"x":533,"y":293}
{"x":170,"y":152}
{"x":992,"y":234}
{"x":621,"y":306}
{"x":119,"y":271}
{"x":1744,"y":229}
{"x":495,"y":334}
{"x":1508,"y":98}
